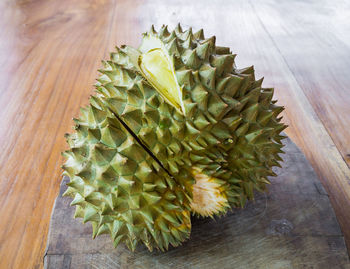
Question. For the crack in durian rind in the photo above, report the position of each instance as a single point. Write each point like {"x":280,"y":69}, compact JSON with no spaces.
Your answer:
{"x":142,"y":144}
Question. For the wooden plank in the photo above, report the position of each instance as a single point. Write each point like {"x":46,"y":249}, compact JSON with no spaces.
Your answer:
{"x":49,"y":54}
{"x":293,"y":226}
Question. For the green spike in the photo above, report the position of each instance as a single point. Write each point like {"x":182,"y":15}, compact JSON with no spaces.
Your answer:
{"x":222,"y":50}
{"x":200,"y":96}
{"x":118,"y":239}
{"x":151,"y":197}
{"x":207,"y":75}
{"x":161,"y":224}
{"x":88,"y":190}
{"x":250,"y":114}
{"x":69,"y":192}
{"x":104,"y":229}
{"x":251,"y":137}
{"x":164,"y":32}
{"x":188,"y":43}
{"x":178,"y":29}
{"x":191,"y":129}
{"x":185,"y":79}
{"x":165,"y":239}
{"x":199,"y":34}
{"x":78,"y":200}
{"x":211,"y":42}
{"x":223,"y":63}
{"x":152,"y":30}
{"x":90,"y":213}
{"x":217,"y":107}
{"x":191,"y":59}
{"x":173,"y":48}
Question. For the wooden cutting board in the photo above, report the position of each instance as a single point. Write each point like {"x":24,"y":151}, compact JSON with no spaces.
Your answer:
{"x":291,"y":226}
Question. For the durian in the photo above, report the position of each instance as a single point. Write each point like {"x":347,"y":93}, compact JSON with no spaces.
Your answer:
{"x":173,"y":129}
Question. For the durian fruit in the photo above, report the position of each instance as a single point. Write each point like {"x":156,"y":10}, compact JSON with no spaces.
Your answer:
{"x":206,"y":130}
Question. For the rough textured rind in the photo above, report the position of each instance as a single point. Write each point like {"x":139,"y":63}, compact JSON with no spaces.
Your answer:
{"x":120,"y":188}
{"x":229,"y":129}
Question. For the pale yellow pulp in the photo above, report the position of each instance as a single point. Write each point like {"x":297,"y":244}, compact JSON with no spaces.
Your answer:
{"x":208,"y":198}
{"x":159,"y":71}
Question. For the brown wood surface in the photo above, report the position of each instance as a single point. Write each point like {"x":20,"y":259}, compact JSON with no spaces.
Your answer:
{"x":50,"y":51}
{"x":292,"y":226}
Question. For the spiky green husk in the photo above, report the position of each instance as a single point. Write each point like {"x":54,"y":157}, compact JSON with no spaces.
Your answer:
{"x":227,"y":127}
{"x":231,"y":128}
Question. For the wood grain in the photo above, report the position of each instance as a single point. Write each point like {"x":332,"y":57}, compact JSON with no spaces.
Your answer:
{"x":292,"y":226}
{"x":50,"y":51}
{"x":315,"y":43}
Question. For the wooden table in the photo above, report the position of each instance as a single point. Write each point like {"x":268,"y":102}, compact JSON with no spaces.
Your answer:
{"x":292,"y":226}
{"x":50,"y":52}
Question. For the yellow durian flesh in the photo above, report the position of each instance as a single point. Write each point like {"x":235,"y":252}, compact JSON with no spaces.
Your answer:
{"x":158,"y":68}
